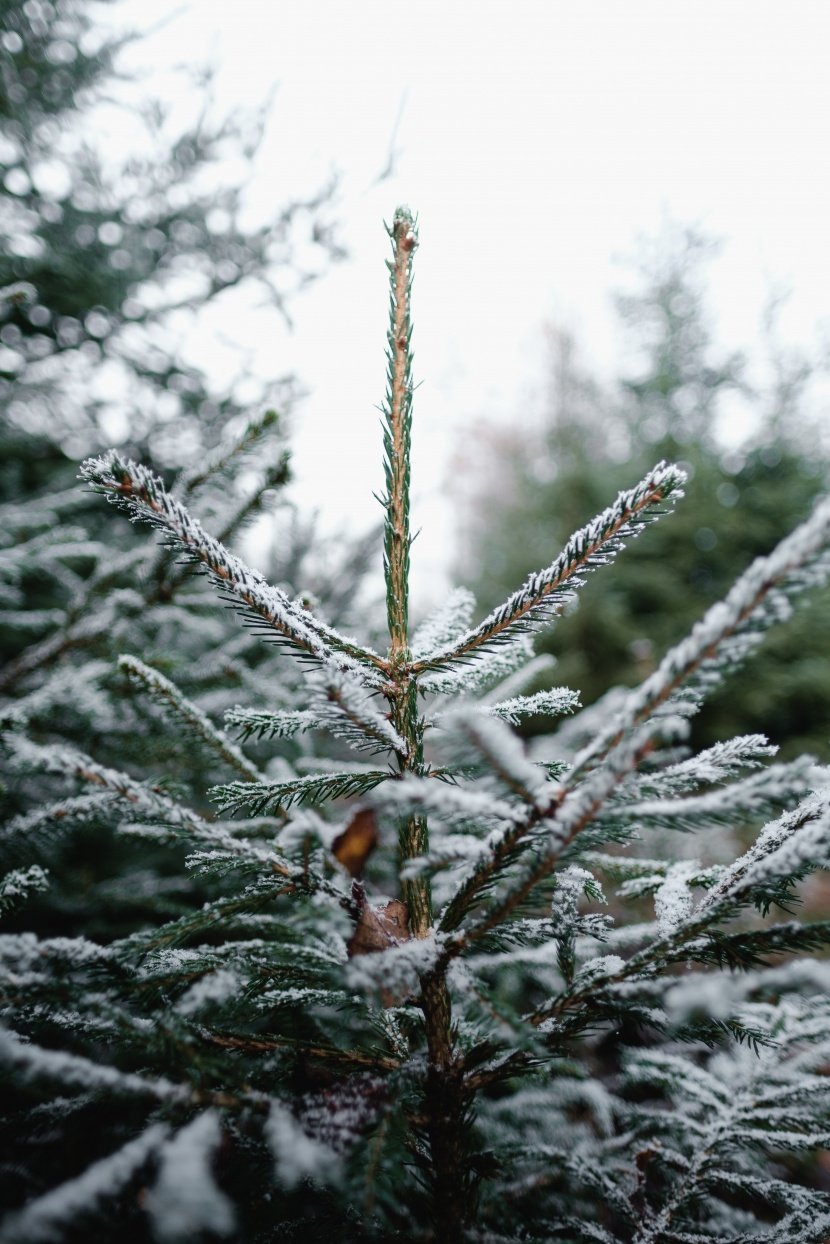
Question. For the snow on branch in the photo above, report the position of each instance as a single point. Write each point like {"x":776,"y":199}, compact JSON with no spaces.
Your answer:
{"x":712,"y":766}
{"x":185,"y":1200}
{"x":484,"y":668}
{"x":296,"y":1154}
{"x":451,"y":804}
{"x":756,"y":795}
{"x":729,"y":631}
{"x":783,"y":847}
{"x":503,"y":753}
{"x":18,"y":884}
{"x":47,"y":1217}
{"x":720,"y":993}
{"x":168,"y":695}
{"x":397,"y":431}
{"x":557,"y":821}
{"x":62,"y":814}
{"x":574,"y":808}
{"x":268,"y":797}
{"x":74,"y":1071}
{"x":545,"y":593}
{"x":446,"y":625}
{"x":743,"y":1100}
{"x":280,"y":724}
{"x":148,"y":802}
{"x":553,"y":703}
{"x":142,"y":495}
{"x":348,"y":710}
{"x":806,"y":845}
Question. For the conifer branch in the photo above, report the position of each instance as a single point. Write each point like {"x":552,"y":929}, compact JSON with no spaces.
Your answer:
{"x":33,"y":1061}
{"x":564,"y":815}
{"x":163,"y":691}
{"x":135,"y":489}
{"x":729,"y":631}
{"x":46,"y":1216}
{"x":736,"y":625}
{"x":353,"y":1059}
{"x":555,"y":703}
{"x":278,"y":724}
{"x":482,"y":1049}
{"x":545,"y":593}
{"x":268,"y":797}
{"x":692,"y":937}
{"x":48,"y":650}
{"x":347,"y":709}
{"x":223,"y":455}
{"x":151,"y":802}
{"x":18,"y":884}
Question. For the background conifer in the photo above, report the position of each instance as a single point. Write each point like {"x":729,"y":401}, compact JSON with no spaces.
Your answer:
{"x":674,"y":401}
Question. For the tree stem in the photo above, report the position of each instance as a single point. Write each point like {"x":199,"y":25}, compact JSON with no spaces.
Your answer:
{"x":448,"y":1101}
{"x":397,"y":438}
{"x":447,"y":1097}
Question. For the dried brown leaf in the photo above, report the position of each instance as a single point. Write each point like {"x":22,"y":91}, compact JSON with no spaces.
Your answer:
{"x":358,"y":840}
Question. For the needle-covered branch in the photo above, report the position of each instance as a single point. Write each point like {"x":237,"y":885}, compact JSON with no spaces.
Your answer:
{"x":730,"y":630}
{"x":143,"y":496}
{"x":545,"y":593}
{"x":725,"y":637}
{"x":166,"y":693}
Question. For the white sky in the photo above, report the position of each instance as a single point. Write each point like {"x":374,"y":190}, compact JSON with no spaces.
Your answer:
{"x":537,"y":139}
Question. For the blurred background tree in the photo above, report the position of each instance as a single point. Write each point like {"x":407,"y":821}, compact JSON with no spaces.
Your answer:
{"x":534,"y":491}
{"x":111,"y":255}
{"x":106,"y":260}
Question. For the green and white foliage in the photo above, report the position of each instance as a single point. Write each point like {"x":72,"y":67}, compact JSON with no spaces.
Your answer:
{"x":116,"y":229}
{"x":379,"y":971}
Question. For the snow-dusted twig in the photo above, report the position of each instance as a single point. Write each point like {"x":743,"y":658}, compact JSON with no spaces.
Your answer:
{"x":729,"y":631}
{"x":546,"y":592}
{"x":143,"y":496}
{"x":166,"y":693}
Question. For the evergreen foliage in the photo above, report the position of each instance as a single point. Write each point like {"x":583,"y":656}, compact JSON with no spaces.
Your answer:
{"x":388,"y":999}
{"x":739,"y":504}
{"x":104,"y":259}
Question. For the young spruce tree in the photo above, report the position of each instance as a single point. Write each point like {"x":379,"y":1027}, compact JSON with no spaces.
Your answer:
{"x":389,"y":1005}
